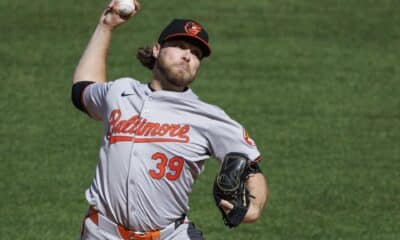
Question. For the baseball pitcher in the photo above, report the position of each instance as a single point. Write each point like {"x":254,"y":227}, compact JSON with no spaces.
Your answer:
{"x":157,"y":137}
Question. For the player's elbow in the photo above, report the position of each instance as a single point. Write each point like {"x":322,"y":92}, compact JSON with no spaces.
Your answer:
{"x":253,"y":214}
{"x":250,"y":219}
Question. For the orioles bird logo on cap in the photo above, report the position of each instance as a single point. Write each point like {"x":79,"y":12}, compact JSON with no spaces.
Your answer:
{"x":192,"y":28}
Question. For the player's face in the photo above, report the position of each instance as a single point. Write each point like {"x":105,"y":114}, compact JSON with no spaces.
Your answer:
{"x":178,"y":61}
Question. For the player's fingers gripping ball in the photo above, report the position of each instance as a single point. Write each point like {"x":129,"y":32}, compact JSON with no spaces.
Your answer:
{"x":118,"y":11}
{"x":125,"y":8}
{"x":230,"y":185}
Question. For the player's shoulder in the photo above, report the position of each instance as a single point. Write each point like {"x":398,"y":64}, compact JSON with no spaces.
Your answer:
{"x":211,"y":107}
{"x":213,"y":111}
{"x":126,"y":84}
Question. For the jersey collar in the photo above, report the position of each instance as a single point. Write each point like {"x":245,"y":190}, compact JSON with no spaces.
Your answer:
{"x":188,"y":93}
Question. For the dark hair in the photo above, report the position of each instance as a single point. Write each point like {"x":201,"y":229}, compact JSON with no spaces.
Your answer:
{"x":145,"y":56}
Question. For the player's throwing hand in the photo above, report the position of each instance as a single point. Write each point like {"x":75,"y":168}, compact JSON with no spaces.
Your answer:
{"x":111,"y":16}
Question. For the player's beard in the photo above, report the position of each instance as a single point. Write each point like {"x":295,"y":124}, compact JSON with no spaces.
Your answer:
{"x":176,"y":74}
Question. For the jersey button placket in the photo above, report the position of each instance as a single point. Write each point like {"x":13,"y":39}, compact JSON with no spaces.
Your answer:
{"x":146,"y":109}
{"x":132,"y":183}
{"x":131,"y":186}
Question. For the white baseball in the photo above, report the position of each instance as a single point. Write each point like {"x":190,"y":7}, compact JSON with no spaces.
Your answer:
{"x":125,"y":7}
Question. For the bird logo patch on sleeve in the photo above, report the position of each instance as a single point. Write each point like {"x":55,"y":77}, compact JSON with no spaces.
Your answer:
{"x":247,"y":138}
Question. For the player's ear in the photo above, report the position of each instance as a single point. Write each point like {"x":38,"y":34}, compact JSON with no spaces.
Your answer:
{"x":156,"y":50}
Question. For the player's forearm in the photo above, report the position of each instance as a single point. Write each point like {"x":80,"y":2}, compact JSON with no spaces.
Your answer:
{"x":92,"y":65}
{"x":257,"y":186}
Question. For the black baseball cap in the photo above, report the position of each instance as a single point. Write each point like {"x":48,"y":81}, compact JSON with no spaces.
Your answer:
{"x":188,"y":30}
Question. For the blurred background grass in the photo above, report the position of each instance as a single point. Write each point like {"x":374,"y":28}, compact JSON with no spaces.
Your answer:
{"x":316,"y":83}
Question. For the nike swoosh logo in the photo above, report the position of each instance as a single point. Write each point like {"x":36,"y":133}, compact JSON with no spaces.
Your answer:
{"x":124,"y":94}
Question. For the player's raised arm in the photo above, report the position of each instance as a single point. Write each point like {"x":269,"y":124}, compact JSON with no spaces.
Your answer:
{"x":92,"y":65}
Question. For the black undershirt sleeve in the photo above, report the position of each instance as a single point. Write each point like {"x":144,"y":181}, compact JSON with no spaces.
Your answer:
{"x":76,"y":94}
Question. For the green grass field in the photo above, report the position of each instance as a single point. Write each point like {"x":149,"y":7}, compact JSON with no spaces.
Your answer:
{"x":315,"y":82}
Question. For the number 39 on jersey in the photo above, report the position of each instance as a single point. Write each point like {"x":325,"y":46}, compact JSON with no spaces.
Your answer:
{"x":169,"y":168}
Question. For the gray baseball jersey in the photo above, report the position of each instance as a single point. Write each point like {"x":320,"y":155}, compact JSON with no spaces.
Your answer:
{"x":154,"y":147}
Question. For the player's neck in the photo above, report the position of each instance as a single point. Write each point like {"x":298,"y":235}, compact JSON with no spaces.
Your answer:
{"x":157,"y":85}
